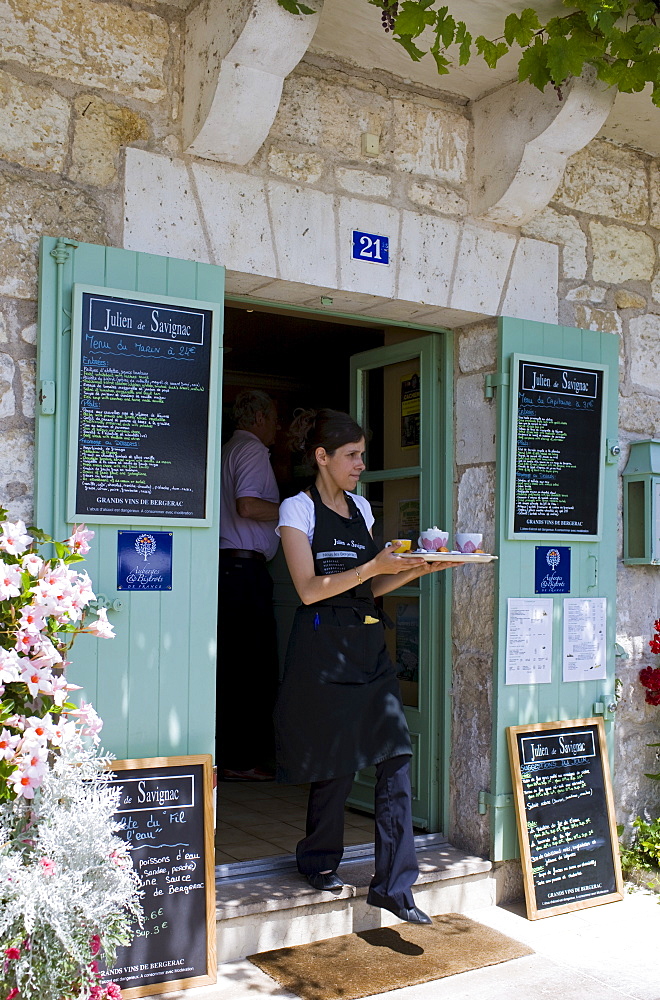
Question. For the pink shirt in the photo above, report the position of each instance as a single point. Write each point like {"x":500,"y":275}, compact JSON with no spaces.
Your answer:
{"x":247,"y":472}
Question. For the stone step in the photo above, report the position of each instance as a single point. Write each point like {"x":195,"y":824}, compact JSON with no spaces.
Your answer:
{"x":257,"y":911}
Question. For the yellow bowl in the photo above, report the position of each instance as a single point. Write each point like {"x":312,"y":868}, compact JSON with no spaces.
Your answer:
{"x":401,"y":544}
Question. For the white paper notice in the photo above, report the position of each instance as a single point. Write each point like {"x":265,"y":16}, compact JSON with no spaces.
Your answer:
{"x":529,"y":640}
{"x":584,"y":639}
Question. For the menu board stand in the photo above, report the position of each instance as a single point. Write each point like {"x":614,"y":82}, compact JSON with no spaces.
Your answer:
{"x":565,"y":816}
{"x":166,"y":814}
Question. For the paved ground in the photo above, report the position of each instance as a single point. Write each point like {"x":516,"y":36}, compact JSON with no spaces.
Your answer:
{"x":609,"y":952}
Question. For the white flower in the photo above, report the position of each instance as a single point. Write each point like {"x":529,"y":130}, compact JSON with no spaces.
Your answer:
{"x":8,"y":744}
{"x":101,"y":627}
{"x":32,"y":563}
{"x":90,"y":721}
{"x":10,"y":581}
{"x":14,"y":538}
{"x":79,"y":539}
{"x":10,"y":666}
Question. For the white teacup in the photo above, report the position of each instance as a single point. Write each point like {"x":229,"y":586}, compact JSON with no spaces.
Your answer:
{"x":433,"y":539}
{"x":468,"y":542}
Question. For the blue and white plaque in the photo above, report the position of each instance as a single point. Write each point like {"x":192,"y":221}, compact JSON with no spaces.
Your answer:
{"x":144,"y":560}
{"x":552,"y":569}
{"x":371,"y":247}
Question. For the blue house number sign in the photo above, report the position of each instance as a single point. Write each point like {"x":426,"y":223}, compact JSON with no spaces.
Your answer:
{"x":371,"y":247}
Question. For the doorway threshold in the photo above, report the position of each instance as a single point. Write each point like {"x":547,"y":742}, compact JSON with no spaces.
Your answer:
{"x":259,"y":867}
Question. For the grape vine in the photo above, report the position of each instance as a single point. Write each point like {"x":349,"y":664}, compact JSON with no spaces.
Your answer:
{"x":619,"y":38}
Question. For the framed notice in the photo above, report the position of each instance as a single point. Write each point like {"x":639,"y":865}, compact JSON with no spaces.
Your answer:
{"x":143,"y":391}
{"x":166,"y":814}
{"x":557,"y":454}
{"x":565,"y":816}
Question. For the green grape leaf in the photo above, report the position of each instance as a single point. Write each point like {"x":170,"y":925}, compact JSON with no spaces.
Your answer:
{"x":648,"y":38}
{"x":533,"y":66}
{"x":412,"y":19}
{"x":441,"y":62}
{"x":294,"y":7}
{"x":445,"y":30}
{"x":465,"y":50}
{"x":410,"y":47}
{"x":632,"y":78}
{"x":644,"y":11}
{"x":521,"y":29}
{"x":563,"y":59}
{"x":655,"y":96}
{"x":492,"y":52}
{"x":557,"y":27}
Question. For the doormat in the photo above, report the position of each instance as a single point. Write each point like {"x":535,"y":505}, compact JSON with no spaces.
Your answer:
{"x":387,"y":958}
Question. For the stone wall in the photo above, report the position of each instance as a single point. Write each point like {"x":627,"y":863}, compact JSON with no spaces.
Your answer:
{"x":81,"y":80}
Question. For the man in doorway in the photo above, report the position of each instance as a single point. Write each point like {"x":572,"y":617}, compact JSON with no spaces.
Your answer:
{"x":247,"y":671}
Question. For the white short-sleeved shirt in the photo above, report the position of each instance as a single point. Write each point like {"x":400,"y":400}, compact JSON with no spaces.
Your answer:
{"x":298,"y":512}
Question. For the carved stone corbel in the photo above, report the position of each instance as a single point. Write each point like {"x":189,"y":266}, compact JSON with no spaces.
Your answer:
{"x":522,"y":140}
{"x":237,"y":54}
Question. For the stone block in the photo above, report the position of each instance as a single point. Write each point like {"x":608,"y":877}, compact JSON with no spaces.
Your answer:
{"x":625,"y":299}
{"x":428,"y":252}
{"x":305,"y":168}
{"x":303,"y":234}
{"x":603,"y":179}
{"x":160,"y":208}
{"x":91,"y":44}
{"x":640,"y":414}
{"x":471,"y":740}
{"x":531,"y":291}
{"x":477,"y":347}
{"x":34,"y":124}
{"x":432,"y":142}
{"x":329,"y":115}
{"x":621,"y":254}
{"x":7,"y":398}
{"x":27,"y":368}
{"x":655,"y":288}
{"x":30,"y":209}
{"x":603,"y":320}
{"x":362,"y":182}
{"x":644,"y":350}
{"x":565,"y":230}
{"x":437,"y":198}
{"x":237,"y":219}
{"x":654,"y":173}
{"x":363,"y":275}
{"x":29,"y":333}
{"x":17,"y":472}
{"x":475,"y":422}
{"x":484,"y":256}
{"x":100,"y":131}
{"x":586,"y":293}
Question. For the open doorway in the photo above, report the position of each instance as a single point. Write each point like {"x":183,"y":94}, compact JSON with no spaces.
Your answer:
{"x":305,"y":361}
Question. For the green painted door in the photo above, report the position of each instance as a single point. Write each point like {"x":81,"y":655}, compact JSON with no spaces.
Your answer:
{"x":401,"y":394}
{"x":154,"y":684}
{"x":593,"y":558}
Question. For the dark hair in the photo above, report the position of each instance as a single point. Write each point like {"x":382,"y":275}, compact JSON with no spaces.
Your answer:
{"x":329,"y":429}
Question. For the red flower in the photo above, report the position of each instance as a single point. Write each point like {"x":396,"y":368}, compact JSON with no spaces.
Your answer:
{"x":656,"y":624}
{"x":653,"y":697}
{"x":13,"y":952}
{"x":650,"y":678}
{"x":12,"y":993}
{"x":95,"y":944}
{"x":654,"y":643}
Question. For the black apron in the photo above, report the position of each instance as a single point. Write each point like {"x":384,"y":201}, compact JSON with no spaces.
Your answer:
{"x":339,"y":707}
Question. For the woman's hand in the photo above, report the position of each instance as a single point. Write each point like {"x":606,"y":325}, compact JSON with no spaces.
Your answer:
{"x":387,"y":562}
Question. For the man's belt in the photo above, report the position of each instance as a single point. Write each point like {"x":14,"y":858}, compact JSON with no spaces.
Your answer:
{"x":243,"y":554}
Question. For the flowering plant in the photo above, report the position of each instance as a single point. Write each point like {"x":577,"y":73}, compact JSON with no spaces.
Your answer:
{"x":650,"y":676}
{"x":68,"y":892}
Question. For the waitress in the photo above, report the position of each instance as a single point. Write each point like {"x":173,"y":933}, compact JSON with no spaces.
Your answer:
{"x":339,"y":709}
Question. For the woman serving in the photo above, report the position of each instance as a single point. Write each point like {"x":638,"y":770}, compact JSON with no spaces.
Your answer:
{"x":339,"y":708}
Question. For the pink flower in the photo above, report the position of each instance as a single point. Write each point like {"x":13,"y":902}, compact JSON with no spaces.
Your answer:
{"x":32,"y":563}
{"x":91,"y":723}
{"x":10,"y":580}
{"x":13,"y":953}
{"x":79,"y":539}
{"x":12,"y":994}
{"x":8,"y":744}
{"x":101,"y":627}
{"x":112,"y":991}
{"x":32,"y":620}
{"x":47,"y":866}
{"x":14,"y":538}
{"x":95,"y":944}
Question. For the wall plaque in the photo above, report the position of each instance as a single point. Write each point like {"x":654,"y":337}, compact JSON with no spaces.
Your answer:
{"x":143,"y":377}
{"x":557,"y":452}
{"x":565,"y":814}
{"x":144,"y":560}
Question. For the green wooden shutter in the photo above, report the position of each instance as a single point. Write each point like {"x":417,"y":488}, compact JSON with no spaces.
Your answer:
{"x":154,"y":685}
{"x":593,"y":565}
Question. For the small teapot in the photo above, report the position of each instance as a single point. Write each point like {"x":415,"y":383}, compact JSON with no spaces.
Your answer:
{"x":433,"y":539}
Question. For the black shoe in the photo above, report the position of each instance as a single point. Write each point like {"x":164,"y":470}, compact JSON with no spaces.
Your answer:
{"x":328,"y":882}
{"x":411,"y":916}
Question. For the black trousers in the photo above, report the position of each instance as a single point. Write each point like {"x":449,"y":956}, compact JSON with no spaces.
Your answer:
{"x":247,"y":667}
{"x":396,"y":862}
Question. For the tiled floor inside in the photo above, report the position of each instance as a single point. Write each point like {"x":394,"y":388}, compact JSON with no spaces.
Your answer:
{"x":262,"y":819}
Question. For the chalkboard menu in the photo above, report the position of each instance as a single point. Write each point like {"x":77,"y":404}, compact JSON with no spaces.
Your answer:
{"x":565,"y":816}
{"x":142,"y":380}
{"x":557,"y":454}
{"x":166,"y":813}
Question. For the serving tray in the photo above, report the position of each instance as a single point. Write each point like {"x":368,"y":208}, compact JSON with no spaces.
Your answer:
{"x":474,"y":557}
